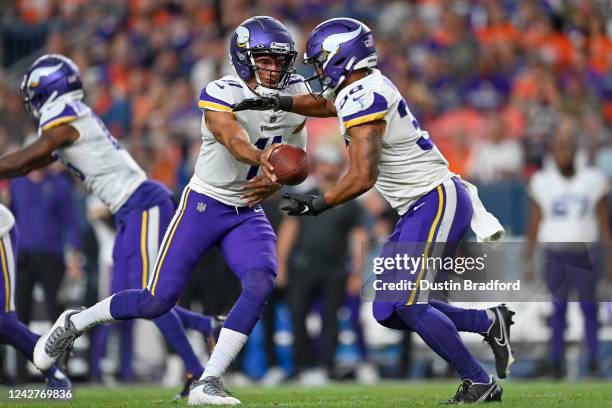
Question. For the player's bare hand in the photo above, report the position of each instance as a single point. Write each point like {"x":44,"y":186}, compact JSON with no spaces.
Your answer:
{"x":258,"y":189}
{"x":264,"y":162}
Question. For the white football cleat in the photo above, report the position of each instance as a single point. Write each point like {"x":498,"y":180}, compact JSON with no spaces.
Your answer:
{"x":54,"y":342}
{"x":210,"y":391}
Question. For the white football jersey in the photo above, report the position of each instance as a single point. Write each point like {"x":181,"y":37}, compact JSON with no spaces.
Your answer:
{"x":410,"y":164}
{"x":217,"y":173}
{"x":569,"y":205}
{"x":7,"y":220}
{"x":106,"y":169}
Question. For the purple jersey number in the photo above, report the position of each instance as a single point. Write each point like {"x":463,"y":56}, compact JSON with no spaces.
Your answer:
{"x":261,"y":144}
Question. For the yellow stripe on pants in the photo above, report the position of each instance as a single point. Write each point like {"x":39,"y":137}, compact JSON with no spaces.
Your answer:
{"x":430,"y":239}
{"x":7,"y":279}
{"x":167,"y":243}
{"x":143,"y":248}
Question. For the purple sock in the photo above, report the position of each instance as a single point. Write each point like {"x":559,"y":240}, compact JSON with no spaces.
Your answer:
{"x":98,"y":349}
{"x":193,"y":320}
{"x":441,"y":335}
{"x":465,"y":320}
{"x":124,"y":304}
{"x":557,"y":324}
{"x":127,"y":348}
{"x":589,"y":310}
{"x":257,"y":285}
{"x":173,"y":331}
{"x":17,"y":334}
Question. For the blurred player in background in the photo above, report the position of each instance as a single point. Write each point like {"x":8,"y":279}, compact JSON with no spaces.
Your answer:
{"x":43,"y":204}
{"x":569,"y":204}
{"x":387,"y":148}
{"x":219,"y":207}
{"x":312,"y":258}
{"x":68,"y":130}
{"x":13,"y":331}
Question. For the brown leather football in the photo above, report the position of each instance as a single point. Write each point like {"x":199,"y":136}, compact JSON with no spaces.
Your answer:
{"x":290,"y":164}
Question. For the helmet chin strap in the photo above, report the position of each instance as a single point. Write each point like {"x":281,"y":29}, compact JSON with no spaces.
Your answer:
{"x":330,"y":93}
{"x":49,"y":100}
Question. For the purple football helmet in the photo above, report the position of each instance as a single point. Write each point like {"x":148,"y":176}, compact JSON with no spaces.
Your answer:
{"x":48,"y":78}
{"x":262,"y":35}
{"x":336,"y":48}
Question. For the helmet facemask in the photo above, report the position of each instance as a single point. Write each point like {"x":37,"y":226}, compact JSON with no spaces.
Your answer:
{"x":320,"y":85}
{"x":283,"y":55}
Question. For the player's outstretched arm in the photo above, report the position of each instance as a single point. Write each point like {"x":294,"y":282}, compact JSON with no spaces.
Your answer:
{"x":304,"y":105}
{"x":364,"y":156}
{"x":37,"y":154}
{"x":232,"y":135}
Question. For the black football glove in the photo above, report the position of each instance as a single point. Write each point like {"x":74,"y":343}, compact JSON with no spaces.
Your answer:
{"x":262,"y":103}
{"x":304,"y":204}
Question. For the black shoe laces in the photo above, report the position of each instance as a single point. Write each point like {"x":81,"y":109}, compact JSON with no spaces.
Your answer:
{"x":463,"y":389}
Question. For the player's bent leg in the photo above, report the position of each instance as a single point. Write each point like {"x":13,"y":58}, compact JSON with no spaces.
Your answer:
{"x":184,"y":242}
{"x":257,"y":286}
{"x":466,"y":320}
{"x":71,"y":324}
{"x":171,"y":327}
{"x":493,"y":324}
{"x":441,"y":335}
{"x":250,"y":250}
{"x":195,"y":321}
{"x":143,"y":249}
{"x":17,"y":334}
{"x":209,"y":326}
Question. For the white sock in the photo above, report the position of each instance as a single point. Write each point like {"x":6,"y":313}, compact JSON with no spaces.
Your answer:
{"x":93,"y":316}
{"x":228,"y":346}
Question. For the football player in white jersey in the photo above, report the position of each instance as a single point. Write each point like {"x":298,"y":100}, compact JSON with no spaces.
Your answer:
{"x":390,"y":151}
{"x":71,"y":132}
{"x":569,"y":219}
{"x":220,"y":207}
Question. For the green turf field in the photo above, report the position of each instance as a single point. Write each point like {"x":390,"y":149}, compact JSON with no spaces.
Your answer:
{"x":390,"y":395}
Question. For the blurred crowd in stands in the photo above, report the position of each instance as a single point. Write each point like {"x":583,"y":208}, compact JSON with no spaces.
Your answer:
{"x":492,"y":81}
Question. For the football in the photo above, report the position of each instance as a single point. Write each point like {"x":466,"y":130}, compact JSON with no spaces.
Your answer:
{"x":290,"y":164}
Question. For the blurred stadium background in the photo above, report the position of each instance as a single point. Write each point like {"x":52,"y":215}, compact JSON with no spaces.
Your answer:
{"x":492,"y":81}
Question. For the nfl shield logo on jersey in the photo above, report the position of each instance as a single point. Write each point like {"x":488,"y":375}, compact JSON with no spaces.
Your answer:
{"x":201,"y":207}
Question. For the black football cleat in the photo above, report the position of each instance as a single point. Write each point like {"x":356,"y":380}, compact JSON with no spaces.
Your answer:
{"x":498,"y":338}
{"x":475,"y":393}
